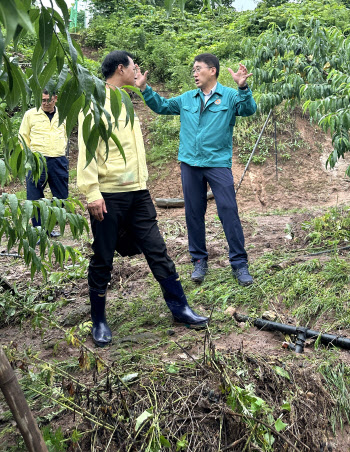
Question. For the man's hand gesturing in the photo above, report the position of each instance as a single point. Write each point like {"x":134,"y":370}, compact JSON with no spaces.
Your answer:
{"x":140,"y":79}
{"x":240,"y":77}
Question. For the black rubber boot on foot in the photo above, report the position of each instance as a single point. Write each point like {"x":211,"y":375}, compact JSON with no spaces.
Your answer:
{"x":177,"y":303}
{"x":101,"y":333}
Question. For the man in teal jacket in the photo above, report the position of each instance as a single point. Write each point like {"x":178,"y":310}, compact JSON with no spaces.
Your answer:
{"x":208,"y":115}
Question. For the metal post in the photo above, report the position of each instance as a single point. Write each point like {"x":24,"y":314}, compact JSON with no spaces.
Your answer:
{"x":255,"y":146}
{"x":275,"y":133}
{"x":19,"y":407}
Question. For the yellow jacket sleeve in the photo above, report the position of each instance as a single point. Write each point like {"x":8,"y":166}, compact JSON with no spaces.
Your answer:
{"x":87,"y":176}
{"x":24,"y":129}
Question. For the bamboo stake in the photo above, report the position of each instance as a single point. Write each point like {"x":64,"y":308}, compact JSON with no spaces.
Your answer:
{"x":19,"y":407}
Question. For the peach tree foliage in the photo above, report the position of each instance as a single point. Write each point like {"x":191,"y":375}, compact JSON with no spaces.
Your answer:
{"x":308,"y":67}
{"x":56,"y":64}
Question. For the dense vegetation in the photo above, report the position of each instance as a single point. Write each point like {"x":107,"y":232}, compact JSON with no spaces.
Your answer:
{"x":299,"y":52}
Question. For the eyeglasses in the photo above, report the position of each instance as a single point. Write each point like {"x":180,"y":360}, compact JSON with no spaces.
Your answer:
{"x":135,"y":70}
{"x":197,"y":69}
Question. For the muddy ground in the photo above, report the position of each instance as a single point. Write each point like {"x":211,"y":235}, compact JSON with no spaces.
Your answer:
{"x":270,"y":203}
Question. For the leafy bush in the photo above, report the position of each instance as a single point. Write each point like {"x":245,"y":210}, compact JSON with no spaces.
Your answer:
{"x":164,"y":139}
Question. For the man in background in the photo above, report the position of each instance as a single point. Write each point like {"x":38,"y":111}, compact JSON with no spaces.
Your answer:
{"x":41,"y":132}
{"x":208,"y":115}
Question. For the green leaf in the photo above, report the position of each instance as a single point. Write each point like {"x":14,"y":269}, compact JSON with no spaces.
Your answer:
{"x":19,"y":82}
{"x":63,"y":75}
{"x":135,"y":90}
{"x":48,"y":72}
{"x":100,"y":90}
{"x":164,"y":442}
{"x":91,"y":144}
{"x":12,"y":13}
{"x":73,"y":113}
{"x":117,"y":142}
{"x":45,"y":29}
{"x":72,"y":50}
{"x":280,"y":425}
{"x":2,"y":46}
{"x":147,"y":414}
{"x":116,"y":104}
{"x":172,"y":369}
{"x":63,"y":7}
{"x":44,"y":213}
{"x":286,"y":406}
{"x":13,"y":203}
{"x":182,"y":443}
{"x":282,"y":372}
{"x":129,"y":108}
{"x":86,"y":81}
{"x":69,"y":94}
{"x":3,"y":173}
{"x":318,"y":342}
{"x":60,"y":64}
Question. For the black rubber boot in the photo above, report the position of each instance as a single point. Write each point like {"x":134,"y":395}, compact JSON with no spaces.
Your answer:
{"x":101,"y":333}
{"x":177,"y":303}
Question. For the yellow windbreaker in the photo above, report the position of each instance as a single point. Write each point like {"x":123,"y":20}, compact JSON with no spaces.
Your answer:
{"x":43,"y":135}
{"x":113,"y":175}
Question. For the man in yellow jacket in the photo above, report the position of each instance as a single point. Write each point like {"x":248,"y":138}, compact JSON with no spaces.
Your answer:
{"x":41,"y":132}
{"x":119,"y":203}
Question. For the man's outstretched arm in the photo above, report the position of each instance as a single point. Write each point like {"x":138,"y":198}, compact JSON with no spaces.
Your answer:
{"x":157,"y":103}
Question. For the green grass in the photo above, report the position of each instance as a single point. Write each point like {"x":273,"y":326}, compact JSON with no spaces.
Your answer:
{"x":329,"y":229}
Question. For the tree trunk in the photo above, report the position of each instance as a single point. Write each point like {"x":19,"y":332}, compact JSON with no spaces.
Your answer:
{"x":18,"y":405}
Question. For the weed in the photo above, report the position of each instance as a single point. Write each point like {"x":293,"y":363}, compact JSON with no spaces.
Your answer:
{"x":338,"y":380}
{"x":330,"y":229}
{"x":164,"y":140}
{"x":247,"y":131}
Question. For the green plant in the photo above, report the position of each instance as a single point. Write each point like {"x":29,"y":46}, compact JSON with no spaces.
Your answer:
{"x":164,"y":140}
{"x":330,"y":229}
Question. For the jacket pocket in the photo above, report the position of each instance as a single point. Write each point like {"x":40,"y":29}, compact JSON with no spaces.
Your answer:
{"x":190,"y":109}
{"x":218,"y":108}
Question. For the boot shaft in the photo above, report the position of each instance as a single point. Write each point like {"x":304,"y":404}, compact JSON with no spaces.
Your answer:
{"x":172,"y":291}
{"x":98,"y":304}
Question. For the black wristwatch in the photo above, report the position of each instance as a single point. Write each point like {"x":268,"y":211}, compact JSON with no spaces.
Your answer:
{"x":244,"y":87}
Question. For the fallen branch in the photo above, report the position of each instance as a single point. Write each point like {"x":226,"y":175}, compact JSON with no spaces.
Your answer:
{"x":176,"y":202}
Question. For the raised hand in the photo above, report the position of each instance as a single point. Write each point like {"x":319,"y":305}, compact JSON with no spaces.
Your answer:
{"x":240,"y":77}
{"x":140,"y":79}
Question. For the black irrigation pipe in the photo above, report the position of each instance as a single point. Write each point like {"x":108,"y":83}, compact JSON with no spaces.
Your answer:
{"x":329,"y":251}
{"x":10,"y":254}
{"x":302,"y":333}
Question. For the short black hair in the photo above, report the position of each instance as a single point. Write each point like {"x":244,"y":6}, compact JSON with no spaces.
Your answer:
{"x":113,"y":60}
{"x":209,"y":59}
{"x":45,"y":91}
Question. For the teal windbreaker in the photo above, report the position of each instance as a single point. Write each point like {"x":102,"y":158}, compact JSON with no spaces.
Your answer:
{"x":205,"y":138}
